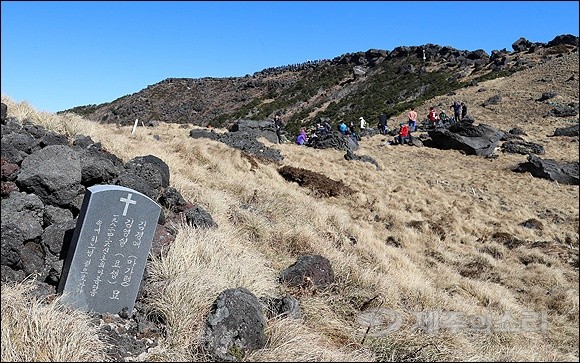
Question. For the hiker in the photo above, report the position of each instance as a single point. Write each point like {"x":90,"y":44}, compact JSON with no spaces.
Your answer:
{"x":343,"y":128}
{"x":312,"y":139}
{"x":302,"y":138}
{"x":463,"y":110}
{"x":278,"y":127}
{"x":383,"y":124}
{"x":352,"y":132}
{"x":363,"y":123}
{"x":456,"y":106}
{"x":403,"y":133}
{"x":351,"y":128}
{"x":443,"y":118}
{"x":432,"y":116}
{"x":412,"y":119}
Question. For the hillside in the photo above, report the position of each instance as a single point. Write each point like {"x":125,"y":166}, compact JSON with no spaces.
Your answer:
{"x":344,"y":88}
{"x":437,"y":255}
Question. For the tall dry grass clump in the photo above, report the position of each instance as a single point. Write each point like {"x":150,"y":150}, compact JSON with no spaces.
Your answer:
{"x":39,"y":331}
{"x":68,"y":124}
{"x":198,"y":267}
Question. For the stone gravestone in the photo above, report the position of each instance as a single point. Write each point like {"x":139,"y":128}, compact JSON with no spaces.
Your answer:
{"x":104,"y":265}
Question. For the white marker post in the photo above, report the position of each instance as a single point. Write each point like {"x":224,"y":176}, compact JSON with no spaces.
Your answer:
{"x":135,"y":126}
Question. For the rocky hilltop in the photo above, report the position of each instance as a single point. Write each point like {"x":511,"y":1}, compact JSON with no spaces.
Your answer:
{"x":350,"y":85}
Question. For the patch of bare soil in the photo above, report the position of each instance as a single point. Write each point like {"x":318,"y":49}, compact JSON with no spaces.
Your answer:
{"x":320,"y":184}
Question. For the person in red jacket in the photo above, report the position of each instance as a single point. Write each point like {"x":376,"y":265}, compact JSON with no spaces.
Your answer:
{"x":403,"y":133}
{"x":432,"y":116}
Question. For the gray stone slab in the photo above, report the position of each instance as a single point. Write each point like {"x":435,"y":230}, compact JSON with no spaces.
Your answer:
{"x":110,"y":246}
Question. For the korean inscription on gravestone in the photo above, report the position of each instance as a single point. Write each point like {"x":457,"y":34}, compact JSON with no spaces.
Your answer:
{"x":109,"y":248}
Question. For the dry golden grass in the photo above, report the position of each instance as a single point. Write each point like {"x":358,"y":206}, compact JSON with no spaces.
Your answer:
{"x":421,"y":236}
{"x":41,"y":331}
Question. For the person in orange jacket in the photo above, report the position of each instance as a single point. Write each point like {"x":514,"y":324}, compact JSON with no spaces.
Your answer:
{"x":412,"y":122}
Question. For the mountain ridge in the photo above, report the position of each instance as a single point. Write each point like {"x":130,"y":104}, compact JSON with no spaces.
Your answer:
{"x":344,"y":88}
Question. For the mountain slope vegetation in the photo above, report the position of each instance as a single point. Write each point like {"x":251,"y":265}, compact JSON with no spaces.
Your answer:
{"x":342,"y":89}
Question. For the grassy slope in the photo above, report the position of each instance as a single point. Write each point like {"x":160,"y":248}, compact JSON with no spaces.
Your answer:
{"x":424,"y":228}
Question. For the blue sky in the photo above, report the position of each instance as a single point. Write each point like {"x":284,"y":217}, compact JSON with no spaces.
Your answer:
{"x":61,"y":54}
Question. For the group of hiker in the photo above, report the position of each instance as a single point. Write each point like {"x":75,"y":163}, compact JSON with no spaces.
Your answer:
{"x":459,"y":112}
{"x":303,"y":137}
{"x":441,"y":118}
{"x":434,"y":119}
{"x":402,"y":135}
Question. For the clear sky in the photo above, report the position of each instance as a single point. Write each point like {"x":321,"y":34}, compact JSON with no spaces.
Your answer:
{"x":61,"y":54}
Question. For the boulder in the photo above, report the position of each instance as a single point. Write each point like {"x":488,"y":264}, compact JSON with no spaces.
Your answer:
{"x":567,"y":131}
{"x":515,"y":146}
{"x":473,"y":140}
{"x":564,"y":173}
{"x":53,"y":173}
{"x":309,"y":271}
{"x":235,"y":326}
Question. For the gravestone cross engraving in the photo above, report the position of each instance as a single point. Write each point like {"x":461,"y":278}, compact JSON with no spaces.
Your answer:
{"x":104,"y":265}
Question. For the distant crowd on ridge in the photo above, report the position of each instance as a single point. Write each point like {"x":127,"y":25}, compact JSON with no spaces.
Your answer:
{"x":293,"y":67}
